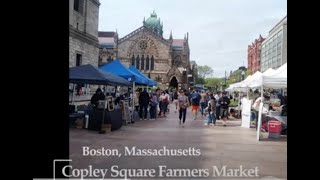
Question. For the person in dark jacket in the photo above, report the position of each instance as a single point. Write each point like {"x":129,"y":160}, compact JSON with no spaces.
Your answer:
{"x":224,"y":105}
{"x":144,"y":100}
{"x":96,"y":97}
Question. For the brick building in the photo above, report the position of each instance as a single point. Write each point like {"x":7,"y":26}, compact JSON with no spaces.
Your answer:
{"x":254,"y":52}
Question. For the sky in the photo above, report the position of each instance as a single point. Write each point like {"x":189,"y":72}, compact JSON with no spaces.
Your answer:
{"x":219,"y":30}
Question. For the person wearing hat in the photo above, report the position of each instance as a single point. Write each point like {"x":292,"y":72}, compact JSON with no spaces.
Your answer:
{"x":96,"y":97}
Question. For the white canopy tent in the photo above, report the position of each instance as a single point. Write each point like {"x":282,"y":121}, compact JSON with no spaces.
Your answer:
{"x":277,"y":79}
{"x":272,"y":78}
{"x":268,"y":72}
{"x":255,"y":77}
{"x":234,"y":87}
{"x":239,"y":86}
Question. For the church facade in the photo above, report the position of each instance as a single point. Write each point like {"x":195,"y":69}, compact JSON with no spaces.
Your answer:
{"x":165,"y":60}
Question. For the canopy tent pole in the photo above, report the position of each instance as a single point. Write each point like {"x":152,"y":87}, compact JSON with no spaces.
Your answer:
{"x":133,"y":93}
{"x":260,"y":115}
{"x":74,"y":88}
{"x":103,"y":111}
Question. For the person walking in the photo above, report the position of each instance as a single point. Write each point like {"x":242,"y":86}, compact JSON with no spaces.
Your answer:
{"x":211,"y":108}
{"x":224,"y":105}
{"x":195,"y":103}
{"x":217,"y":97}
{"x":203,"y":103}
{"x":183,"y":102}
{"x":143,"y":102}
{"x":165,"y":100}
{"x":153,"y":106}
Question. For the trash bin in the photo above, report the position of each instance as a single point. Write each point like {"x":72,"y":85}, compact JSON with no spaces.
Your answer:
{"x":274,"y":129}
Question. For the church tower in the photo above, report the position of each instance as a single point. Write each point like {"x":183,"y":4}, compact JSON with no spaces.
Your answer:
{"x":154,"y":24}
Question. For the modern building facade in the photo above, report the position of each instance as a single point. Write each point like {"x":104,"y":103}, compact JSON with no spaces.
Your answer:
{"x":274,"y":48}
{"x":83,"y":32}
{"x":254,"y":55}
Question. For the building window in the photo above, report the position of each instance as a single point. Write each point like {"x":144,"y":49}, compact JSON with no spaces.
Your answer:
{"x":279,"y":49}
{"x":152,"y":63}
{"x":78,"y":59}
{"x":279,"y":61}
{"x":78,"y":6}
{"x":274,"y":51}
{"x":280,"y":36}
{"x":143,"y":45}
{"x":142,"y":62}
{"x":132,"y":60}
{"x":138,"y":62}
{"x":147,"y":62}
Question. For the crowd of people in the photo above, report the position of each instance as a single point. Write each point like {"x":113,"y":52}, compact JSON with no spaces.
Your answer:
{"x":211,"y":105}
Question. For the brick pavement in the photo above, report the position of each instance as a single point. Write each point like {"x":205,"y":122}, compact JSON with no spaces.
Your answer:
{"x":231,"y":146}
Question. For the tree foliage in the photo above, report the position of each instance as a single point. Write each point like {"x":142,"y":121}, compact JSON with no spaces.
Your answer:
{"x":200,"y":80}
{"x":204,"y":71}
{"x":213,"y":82}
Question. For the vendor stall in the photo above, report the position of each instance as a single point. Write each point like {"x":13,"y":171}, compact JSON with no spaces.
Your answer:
{"x":98,"y":116}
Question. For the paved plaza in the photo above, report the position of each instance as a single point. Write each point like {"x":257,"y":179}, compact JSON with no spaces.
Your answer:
{"x":232,"y":146}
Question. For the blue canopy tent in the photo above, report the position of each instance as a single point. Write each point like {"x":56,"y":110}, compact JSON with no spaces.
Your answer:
{"x":119,"y":69}
{"x":116,"y":67}
{"x":150,"y":81}
{"x":88,"y":74}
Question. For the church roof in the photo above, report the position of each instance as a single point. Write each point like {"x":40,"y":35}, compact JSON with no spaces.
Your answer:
{"x":106,"y":34}
{"x":177,"y":43}
{"x":106,"y":41}
{"x":107,"y":38}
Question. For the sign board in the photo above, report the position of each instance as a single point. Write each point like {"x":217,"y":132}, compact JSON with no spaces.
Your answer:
{"x":246,"y":113}
{"x":110,"y":103}
{"x":125,"y":111}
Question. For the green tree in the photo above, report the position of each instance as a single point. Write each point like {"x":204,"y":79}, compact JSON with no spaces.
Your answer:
{"x":213,"y":83}
{"x":204,"y":71}
{"x":200,"y":80}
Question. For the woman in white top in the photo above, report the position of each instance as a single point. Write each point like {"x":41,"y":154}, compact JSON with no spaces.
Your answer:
{"x":256,"y":106}
{"x":165,"y":100}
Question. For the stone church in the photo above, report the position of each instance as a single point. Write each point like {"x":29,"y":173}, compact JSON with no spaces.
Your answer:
{"x":165,"y":60}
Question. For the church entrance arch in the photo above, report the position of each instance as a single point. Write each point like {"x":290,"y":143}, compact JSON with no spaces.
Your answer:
{"x":174,"y":82}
